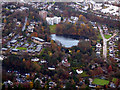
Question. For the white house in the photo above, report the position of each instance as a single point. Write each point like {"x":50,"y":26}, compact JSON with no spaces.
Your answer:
{"x":79,"y":71}
{"x":35,"y":59}
{"x":98,"y":45}
{"x":51,"y":68}
{"x":30,"y":28}
{"x":65,"y":63}
{"x":111,"y":42}
{"x":13,"y":41}
{"x":53,"y":20}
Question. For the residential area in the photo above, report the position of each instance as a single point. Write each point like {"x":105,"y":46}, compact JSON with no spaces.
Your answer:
{"x":60,"y":45}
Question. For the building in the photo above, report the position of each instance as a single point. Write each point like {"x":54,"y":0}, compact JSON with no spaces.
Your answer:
{"x":43,"y":14}
{"x":47,"y":44}
{"x":13,"y":41}
{"x":53,"y":20}
{"x":35,"y":59}
{"x":4,"y":50}
{"x":79,"y":71}
{"x":111,"y":42}
{"x":65,"y":63}
{"x":30,"y":28}
{"x":18,"y":23}
{"x":38,"y":40}
{"x":38,"y":49}
{"x":14,"y":51}
{"x":98,"y":45}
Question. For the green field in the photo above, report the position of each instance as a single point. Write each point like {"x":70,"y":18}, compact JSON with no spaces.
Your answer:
{"x":114,"y":80}
{"x":52,"y":28}
{"x":100,"y":81}
{"x":21,"y":48}
{"x":107,"y":36}
{"x":99,"y":36}
{"x":84,"y":74}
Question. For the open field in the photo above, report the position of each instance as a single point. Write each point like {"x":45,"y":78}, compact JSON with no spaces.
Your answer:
{"x":52,"y":28}
{"x":100,"y":81}
{"x":21,"y":48}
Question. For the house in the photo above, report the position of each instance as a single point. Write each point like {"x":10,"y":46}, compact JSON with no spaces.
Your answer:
{"x":14,"y":51}
{"x":51,"y":68}
{"x":20,"y":37}
{"x":11,"y":34}
{"x":79,"y":71}
{"x":37,"y":79}
{"x":43,"y":14}
{"x":112,"y":85}
{"x":98,"y":45}
{"x":38,"y":49}
{"x":20,"y":80}
{"x":119,"y":65}
{"x":117,"y":59}
{"x":111,"y":49}
{"x":47,"y":44}
{"x":35,"y":59}
{"x":74,"y":19}
{"x":6,"y":83}
{"x":43,"y":61}
{"x":111,"y":42}
{"x":111,"y":54}
{"x":92,"y":86}
{"x":51,"y":83}
{"x":97,"y":53}
{"x":30,"y":28}
{"x":18,"y":23}
{"x":13,"y":41}
{"x":2,"y":57}
{"x":65,"y":63}
{"x":90,"y":80}
{"x":38,"y":40}
{"x":53,"y":20}
{"x":116,"y":38}
{"x":4,"y":50}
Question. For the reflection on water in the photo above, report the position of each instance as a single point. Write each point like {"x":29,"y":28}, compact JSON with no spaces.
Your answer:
{"x":66,"y":42}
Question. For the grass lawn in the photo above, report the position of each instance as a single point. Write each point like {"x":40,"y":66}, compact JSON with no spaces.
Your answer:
{"x":99,"y":36}
{"x":107,"y":36}
{"x":100,"y":81}
{"x":21,"y":48}
{"x":52,"y":28}
{"x":114,"y":80}
{"x":84,"y":74}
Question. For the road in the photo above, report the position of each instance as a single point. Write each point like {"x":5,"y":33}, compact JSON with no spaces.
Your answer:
{"x":24,"y":24}
{"x":105,"y":42}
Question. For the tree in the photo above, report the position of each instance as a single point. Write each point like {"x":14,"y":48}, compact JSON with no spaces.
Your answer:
{"x":31,"y":84}
{"x":109,"y":68}
{"x":5,"y":20}
{"x":35,"y":34}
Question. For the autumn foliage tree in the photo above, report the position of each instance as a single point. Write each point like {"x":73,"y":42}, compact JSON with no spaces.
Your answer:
{"x":109,"y":68}
{"x":76,"y":30}
{"x":35,"y":34}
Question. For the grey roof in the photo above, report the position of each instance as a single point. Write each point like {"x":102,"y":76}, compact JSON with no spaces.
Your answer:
{"x":4,"y":49}
{"x":13,"y":41}
{"x":38,"y":39}
{"x":39,"y":47}
{"x":15,"y":50}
